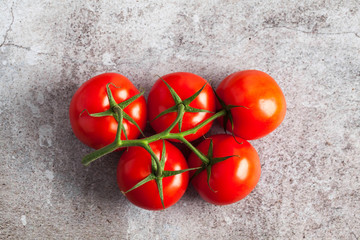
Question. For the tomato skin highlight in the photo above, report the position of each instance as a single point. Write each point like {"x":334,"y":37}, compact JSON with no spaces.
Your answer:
{"x":185,"y":84}
{"x":97,"y":132}
{"x":135,"y":165}
{"x":264,"y":101}
{"x":232,"y":179}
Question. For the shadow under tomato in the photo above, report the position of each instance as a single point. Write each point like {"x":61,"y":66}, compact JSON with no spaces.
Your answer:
{"x":95,"y":184}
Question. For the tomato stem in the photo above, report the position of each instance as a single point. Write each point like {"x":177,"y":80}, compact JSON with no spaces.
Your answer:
{"x":181,"y":107}
{"x":202,"y":157}
{"x":179,"y":117}
{"x":153,"y":155}
{"x":144,"y":142}
{"x":99,"y":153}
{"x":119,"y":118}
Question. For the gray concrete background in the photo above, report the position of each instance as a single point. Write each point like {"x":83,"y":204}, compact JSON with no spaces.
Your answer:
{"x":309,"y":186}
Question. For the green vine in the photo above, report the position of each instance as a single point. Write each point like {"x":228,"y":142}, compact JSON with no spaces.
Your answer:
{"x":158,"y":173}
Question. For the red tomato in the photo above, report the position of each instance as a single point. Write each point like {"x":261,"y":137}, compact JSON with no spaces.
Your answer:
{"x":135,"y":165}
{"x":232,"y":179}
{"x":265,"y":102}
{"x":185,"y":85}
{"x":98,"y":132}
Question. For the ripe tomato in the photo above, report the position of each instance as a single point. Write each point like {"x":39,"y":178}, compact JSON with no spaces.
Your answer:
{"x":185,"y":85}
{"x":98,"y":132}
{"x":135,"y":165}
{"x":264,"y":101}
{"x":231,"y":179}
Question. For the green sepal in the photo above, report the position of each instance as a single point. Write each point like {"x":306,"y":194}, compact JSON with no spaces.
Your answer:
{"x":112,"y":101}
{"x":118,"y":115}
{"x":217,"y":160}
{"x":159,"y":172}
{"x":228,"y":115}
{"x":127,"y":117}
{"x":192,"y":98}
{"x":124,"y":130}
{"x":162,"y":158}
{"x":108,"y":112}
{"x":208,"y":171}
{"x":212,"y":162}
{"x":142,"y":182}
{"x":193,"y":110}
{"x":127,"y":102}
{"x":173,"y":173}
{"x":197,"y":172}
{"x":208,"y":167}
{"x":160,"y":188}
{"x":180,"y":120}
{"x":153,"y":165}
{"x":169,"y":110}
{"x":222,"y":103}
{"x":123,"y":105}
{"x":175,"y":96}
{"x":235,"y":106}
{"x":211,"y":149}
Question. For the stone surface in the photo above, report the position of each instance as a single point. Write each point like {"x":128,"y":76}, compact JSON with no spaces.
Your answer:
{"x":309,"y":186}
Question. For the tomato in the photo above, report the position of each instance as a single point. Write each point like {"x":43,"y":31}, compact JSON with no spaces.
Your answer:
{"x":260,"y":94}
{"x":135,"y":165}
{"x":98,"y":132}
{"x":231,"y":179}
{"x":185,"y":85}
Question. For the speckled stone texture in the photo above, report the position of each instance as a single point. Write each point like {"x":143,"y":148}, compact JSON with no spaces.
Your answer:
{"x":309,"y":186}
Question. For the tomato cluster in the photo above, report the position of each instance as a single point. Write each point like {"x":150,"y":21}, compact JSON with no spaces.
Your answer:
{"x":108,"y":113}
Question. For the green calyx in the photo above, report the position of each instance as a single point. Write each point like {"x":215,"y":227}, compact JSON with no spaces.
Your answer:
{"x":118,"y":108}
{"x":212,"y":161}
{"x":158,"y":172}
{"x":179,"y":102}
{"x":228,"y":115}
